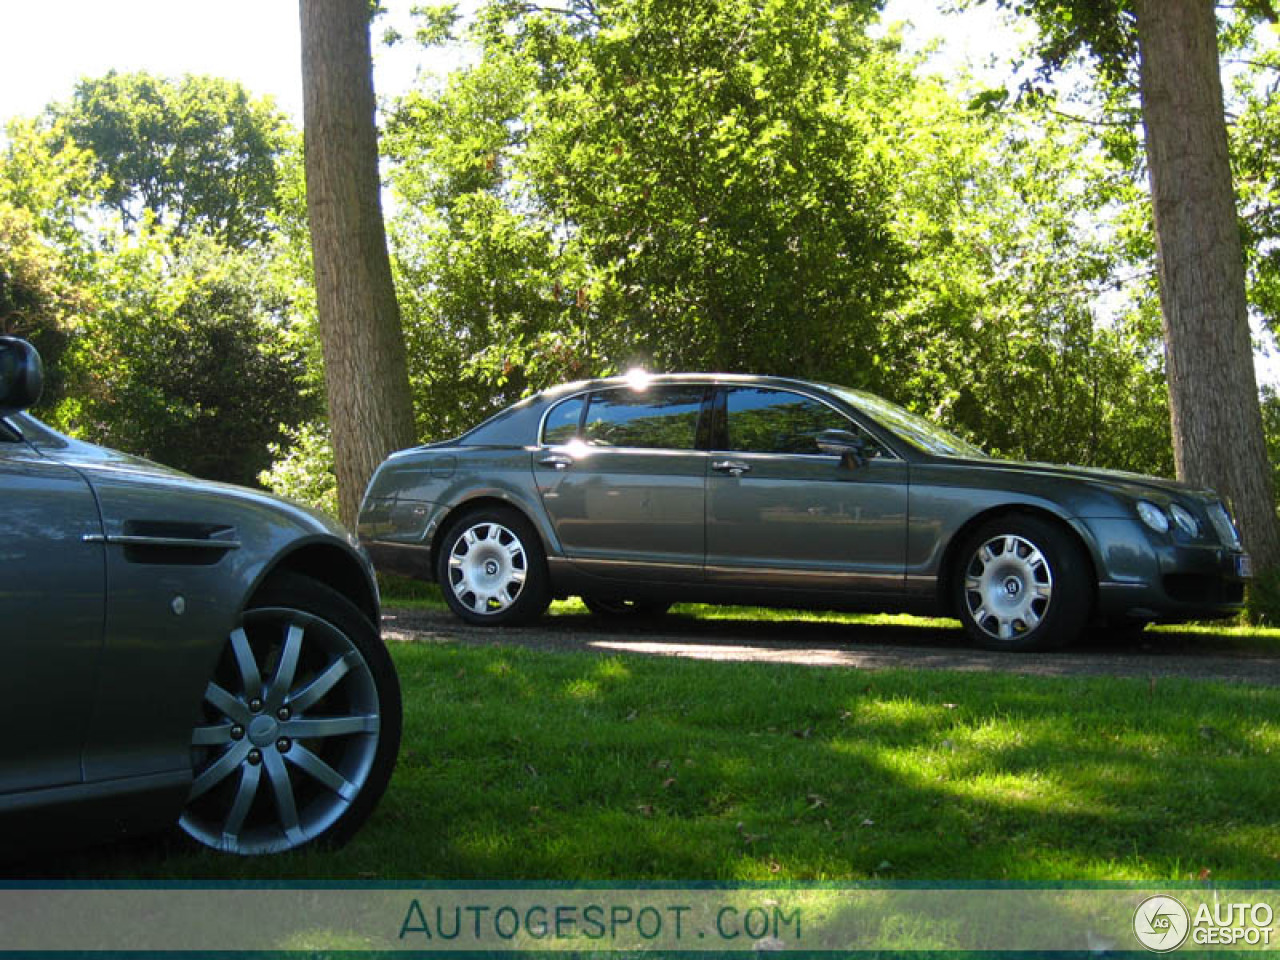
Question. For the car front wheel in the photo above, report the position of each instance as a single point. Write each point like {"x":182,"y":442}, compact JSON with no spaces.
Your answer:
{"x":1022,"y":584}
{"x":492,"y":569}
{"x":300,"y":725}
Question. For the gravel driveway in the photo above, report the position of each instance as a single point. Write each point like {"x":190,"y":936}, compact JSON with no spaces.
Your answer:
{"x":820,"y":644}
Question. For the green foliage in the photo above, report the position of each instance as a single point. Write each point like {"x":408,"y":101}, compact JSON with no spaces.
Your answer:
{"x":198,"y":153}
{"x":188,"y":358}
{"x":302,"y":468}
{"x":153,"y":244}
{"x":39,"y":300}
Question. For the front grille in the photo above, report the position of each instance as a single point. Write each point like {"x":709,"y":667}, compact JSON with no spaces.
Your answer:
{"x":1202,"y":588}
{"x":1223,"y":526}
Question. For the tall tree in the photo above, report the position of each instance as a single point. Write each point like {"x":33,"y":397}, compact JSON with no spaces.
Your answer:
{"x":370,"y":405}
{"x":1213,"y":395}
{"x":1214,"y":402}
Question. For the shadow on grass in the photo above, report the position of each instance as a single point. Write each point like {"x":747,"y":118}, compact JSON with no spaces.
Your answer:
{"x":548,"y":766}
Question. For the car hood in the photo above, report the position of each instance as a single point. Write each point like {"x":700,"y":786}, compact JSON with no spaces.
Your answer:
{"x":1134,"y":484}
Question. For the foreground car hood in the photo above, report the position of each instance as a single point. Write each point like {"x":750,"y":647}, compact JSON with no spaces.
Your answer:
{"x":102,"y":464}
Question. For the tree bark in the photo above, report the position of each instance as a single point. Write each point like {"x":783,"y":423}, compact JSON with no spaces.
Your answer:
{"x":1213,"y":394}
{"x":370,"y":404}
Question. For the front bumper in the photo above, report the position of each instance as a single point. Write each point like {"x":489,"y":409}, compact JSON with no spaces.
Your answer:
{"x":1163,"y":578}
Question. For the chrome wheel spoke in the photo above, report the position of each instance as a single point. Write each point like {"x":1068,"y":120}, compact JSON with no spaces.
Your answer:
{"x":245,"y":795}
{"x":215,"y":735}
{"x":288,"y":666}
{"x":309,"y":763}
{"x":315,"y":691}
{"x":311,"y":728}
{"x":251,"y":679}
{"x":282,"y":789}
{"x":226,"y":704}
{"x":219,"y":770}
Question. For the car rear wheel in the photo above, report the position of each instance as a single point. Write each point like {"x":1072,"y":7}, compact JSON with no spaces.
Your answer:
{"x":492,"y":568}
{"x":1022,"y":584}
{"x":300,"y":725}
{"x":611,"y":608}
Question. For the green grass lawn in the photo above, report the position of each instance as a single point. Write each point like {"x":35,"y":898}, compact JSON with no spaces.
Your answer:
{"x":526,"y":765}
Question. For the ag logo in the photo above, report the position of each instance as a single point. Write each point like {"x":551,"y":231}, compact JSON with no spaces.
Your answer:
{"x":1161,"y":924}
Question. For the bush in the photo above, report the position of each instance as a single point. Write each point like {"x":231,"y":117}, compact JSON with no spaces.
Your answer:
{"x":302,"y":469}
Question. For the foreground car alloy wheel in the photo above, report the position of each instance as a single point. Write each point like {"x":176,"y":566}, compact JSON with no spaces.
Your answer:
{"x":493,"y":568}
{"x":1022,"y":585}
{"x":301,"y":726}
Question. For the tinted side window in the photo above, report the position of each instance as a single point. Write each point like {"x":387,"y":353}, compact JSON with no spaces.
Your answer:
{"x":660,"y":418}
{"x":562,"y":422}
{"x":776,"y":421}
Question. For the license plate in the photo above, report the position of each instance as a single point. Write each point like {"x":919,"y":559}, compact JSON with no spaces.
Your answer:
{"x":1244,"y":566}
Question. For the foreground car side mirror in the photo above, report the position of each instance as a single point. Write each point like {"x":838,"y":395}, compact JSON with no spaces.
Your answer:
{"x":21,"y":375}
{"x":849,"y":447}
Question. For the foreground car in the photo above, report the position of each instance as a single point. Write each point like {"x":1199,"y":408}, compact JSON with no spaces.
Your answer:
{"x":177,"y":651}
{"x":636,"y":492}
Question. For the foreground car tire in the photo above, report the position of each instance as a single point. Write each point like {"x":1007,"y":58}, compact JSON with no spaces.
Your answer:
{"x":614,"y":609}
{"x":300,"y":728}
{"x":492,"y":569}
{"x":1022,"y":584}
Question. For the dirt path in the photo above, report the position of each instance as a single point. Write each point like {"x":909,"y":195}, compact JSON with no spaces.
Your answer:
{"x":839,"y":645}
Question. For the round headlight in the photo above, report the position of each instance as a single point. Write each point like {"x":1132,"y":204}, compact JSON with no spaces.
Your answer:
{"x":1153,"y":516}
{"x":1185,"y":521}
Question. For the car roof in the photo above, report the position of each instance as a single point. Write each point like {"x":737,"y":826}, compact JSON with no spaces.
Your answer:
{"x":633,"y":378}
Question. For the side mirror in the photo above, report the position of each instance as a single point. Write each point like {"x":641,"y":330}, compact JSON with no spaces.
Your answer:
{"x":21,"y":375}
{"x":848,"y":446}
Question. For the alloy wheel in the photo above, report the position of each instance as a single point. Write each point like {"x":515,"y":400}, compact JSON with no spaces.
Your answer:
{"x":289,"y":735}
{"x":1008,"y":587}
{"x":487,"y":568}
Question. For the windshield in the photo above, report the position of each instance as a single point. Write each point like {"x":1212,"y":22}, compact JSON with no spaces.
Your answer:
{"x":916,"y":430}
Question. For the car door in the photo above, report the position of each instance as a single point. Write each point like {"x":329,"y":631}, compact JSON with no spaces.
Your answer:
{"x":782,"y":514}
{"x":624,"y":483}
{"x":51,"y":615}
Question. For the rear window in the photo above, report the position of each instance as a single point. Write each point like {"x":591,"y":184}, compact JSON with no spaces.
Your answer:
{"x":561,"y":425}
{"x":659,"y":418}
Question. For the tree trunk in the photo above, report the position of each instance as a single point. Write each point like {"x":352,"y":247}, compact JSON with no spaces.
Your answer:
{"x":370,"y":405}
{"x":1213,"y":394}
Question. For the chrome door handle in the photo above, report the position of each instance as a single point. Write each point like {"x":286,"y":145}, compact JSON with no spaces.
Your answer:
{"x":557,"y":461}
{"x":735,"y":468}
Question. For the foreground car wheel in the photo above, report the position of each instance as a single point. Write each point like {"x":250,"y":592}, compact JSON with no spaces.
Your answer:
{"x":1022,"y":585}
{"x":614,"y":609}
{"x":492,"y":569}
{"x":300,"y":728}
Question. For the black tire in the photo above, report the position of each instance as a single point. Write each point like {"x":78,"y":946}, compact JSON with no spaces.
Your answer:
{"x":299,"y":728}
{"x":492,"y":568}
{"x":1022,"y":583}
{"x":612,"y":608}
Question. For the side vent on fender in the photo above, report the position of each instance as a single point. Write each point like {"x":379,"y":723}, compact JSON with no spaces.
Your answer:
{"x":174,"y":543}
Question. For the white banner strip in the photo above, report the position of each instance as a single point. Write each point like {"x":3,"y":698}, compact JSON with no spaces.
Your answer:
{"x":689,"y":919}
